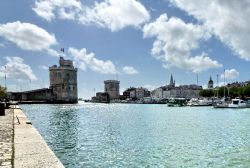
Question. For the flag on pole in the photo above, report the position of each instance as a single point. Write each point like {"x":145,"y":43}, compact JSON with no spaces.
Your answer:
{"x":62,"y":49}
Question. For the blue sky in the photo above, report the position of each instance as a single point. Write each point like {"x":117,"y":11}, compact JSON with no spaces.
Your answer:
{"x":139,"y":42}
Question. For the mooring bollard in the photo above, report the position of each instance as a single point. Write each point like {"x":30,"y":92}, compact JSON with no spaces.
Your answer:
{"x":7,"y":105}
{"x":2,"y":109}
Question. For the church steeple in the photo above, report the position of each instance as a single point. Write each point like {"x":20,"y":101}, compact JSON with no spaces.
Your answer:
{"x":172,"y":82}
{"x":210,"y":84}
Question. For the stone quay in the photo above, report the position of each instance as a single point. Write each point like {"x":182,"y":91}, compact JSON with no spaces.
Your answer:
{"x":21,"y":146}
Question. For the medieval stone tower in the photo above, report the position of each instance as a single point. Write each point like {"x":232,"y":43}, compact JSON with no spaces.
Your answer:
{"x":112,"y":87}
{"x":63,"y":81}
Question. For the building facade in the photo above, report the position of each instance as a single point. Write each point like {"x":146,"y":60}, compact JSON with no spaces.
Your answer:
{"x":129,"y":93}
{"x":102,"y":97}
{"x":63,"y":81}
{"x":112,"y":87}
{"x":184,"y":91}
{"x":172,"y":91}
{"x":136,"y":93}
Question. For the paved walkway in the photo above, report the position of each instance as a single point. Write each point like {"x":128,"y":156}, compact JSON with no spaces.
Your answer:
{"x":6,"y":139}
{"x":31,"y":151}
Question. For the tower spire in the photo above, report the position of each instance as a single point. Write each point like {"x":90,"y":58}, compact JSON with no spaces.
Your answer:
{"x":171,"y":81}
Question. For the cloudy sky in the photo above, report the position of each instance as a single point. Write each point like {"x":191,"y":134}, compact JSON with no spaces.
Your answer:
{"x":139,"y":42}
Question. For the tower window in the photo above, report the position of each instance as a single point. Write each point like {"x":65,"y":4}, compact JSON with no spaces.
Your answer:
{"x":59,"y":75}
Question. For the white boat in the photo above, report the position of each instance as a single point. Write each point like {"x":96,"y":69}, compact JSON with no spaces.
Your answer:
{"x":204,"y":102}
{"x":200,"y":102}
{"x":237,"y":103}
{"x":220,"y":103}
{"x":192,"y":102}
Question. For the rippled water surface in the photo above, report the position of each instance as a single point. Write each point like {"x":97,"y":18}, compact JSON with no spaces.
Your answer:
{"x":130,"y":135}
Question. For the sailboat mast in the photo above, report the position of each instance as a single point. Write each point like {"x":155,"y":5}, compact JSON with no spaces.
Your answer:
{"x":217,"y":85}
{"x":224,"y":84}
{"x":197,"y":79}
{"x":5,"y":78}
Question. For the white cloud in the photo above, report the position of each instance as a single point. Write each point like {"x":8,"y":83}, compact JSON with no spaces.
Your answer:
{"x":85,"y":60}
{"x":27,"y":36}
{"x":112,"y":14}
{"x":44,"y":67}
{"x":116,"y":14}
{"x":129,"y":70}
{"x":17,"y":69}
{"x":175,"y":41}
{"x":227,"y":20}
{"x":48,"y":9}
{"x":54,"y":53}
{"x":66,"y":15}
{"x":44,"y":9}
{"x":230,"y":74}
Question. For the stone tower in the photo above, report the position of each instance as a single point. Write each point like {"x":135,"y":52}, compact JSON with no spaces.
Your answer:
{"x":112,"y":87}
{"x":63,"y":81}
{"x":210,"y":84}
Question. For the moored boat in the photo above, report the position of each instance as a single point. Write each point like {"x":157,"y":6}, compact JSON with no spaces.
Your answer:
{"x":237,"y":103}
{"x":221,"y":104}
{"x":200,"y":102}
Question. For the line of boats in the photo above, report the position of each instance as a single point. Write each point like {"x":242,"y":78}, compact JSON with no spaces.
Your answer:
{"x":216,"y":103}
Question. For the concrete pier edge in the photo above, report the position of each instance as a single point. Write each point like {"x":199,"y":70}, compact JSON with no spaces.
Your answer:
{"x":29,"y":148}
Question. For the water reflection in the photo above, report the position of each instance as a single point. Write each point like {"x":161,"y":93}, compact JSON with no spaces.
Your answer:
{"x":64,"y":133}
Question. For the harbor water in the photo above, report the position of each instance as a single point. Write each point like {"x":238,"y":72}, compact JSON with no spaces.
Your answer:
{"x":140,"y":135}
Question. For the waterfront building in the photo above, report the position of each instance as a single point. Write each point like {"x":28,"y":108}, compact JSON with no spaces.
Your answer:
{"x":129,"y":93}
{"x":171,"y":91}
{"x":238,"y":84}
{"x":63,"y":81}
{"x":102,"y":97}
{"x":112,"y":87}
{"x":157,"y":93}
{"x":142,"y":92}
{"x":210,"y":84}
{"x":136,"y":93}
{"x":161,"y":92}
{"x":183,"y":91}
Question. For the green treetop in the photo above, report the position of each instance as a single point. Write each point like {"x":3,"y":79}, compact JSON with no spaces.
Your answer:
{"x":2,"y":92}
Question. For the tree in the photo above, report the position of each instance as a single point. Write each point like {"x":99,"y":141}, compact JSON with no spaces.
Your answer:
{"x":234,"y":92}
{"x":2,"y":92}
{"x":207,"y":93}
{"x":246,"y":91}
{"x":221,"y":91}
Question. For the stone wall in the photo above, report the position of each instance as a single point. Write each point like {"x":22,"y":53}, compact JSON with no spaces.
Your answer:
{"x":45,"y":95}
